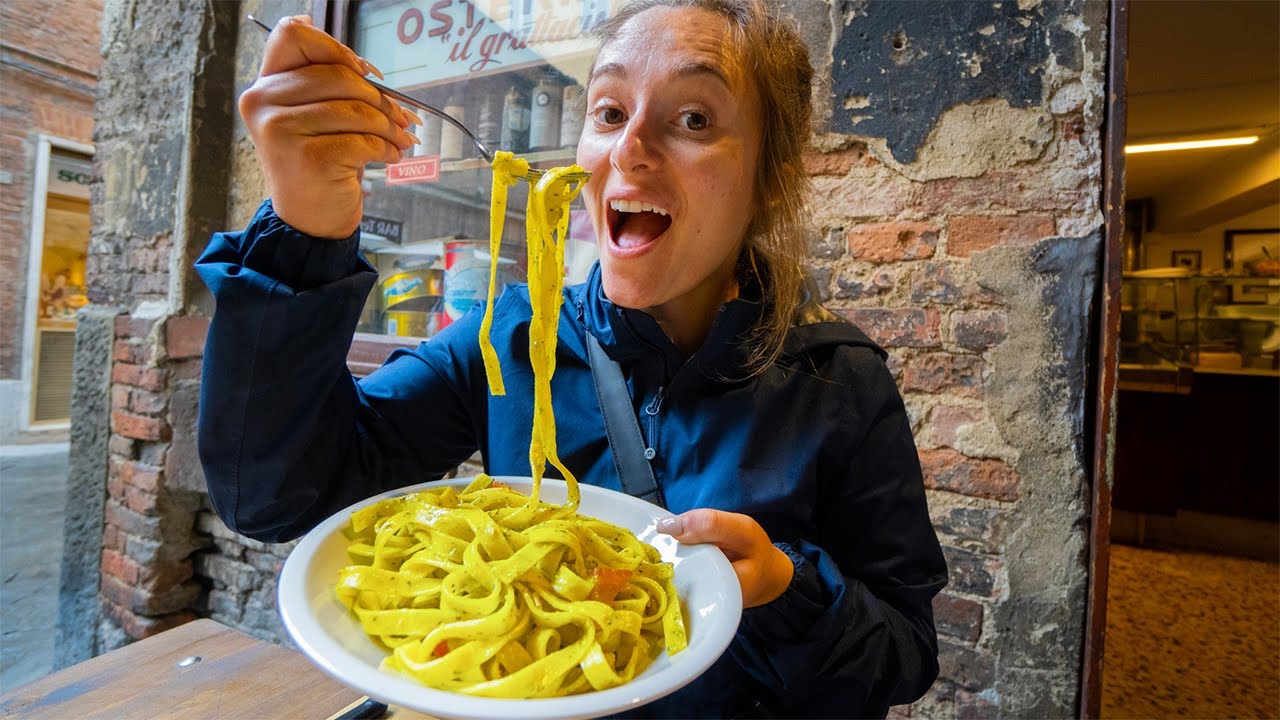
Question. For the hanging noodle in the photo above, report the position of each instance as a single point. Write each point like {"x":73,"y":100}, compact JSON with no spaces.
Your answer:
{"x":494,"y":593}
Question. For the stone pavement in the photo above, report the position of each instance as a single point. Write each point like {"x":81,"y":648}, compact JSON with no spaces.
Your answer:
{"x":33,"y":480}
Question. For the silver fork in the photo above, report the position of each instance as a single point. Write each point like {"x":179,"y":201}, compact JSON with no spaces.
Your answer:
{"x":532,"y":176}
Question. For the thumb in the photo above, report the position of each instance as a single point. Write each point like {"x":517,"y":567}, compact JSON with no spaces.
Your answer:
{"x":733,"y":533}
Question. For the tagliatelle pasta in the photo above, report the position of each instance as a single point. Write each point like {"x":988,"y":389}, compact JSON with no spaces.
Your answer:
{"x":486,"y":592}
{"x":494,"y":593}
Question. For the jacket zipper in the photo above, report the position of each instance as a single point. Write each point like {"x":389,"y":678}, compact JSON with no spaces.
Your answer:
{"x":652,"y":410}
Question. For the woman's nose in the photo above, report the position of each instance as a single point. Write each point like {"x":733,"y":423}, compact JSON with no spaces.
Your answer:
{"x":636,"y":147}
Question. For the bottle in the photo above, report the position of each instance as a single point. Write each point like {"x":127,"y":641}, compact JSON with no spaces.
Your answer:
{"x":515,"y":121}
{"x":544,"y":114}
{"x":429,"y":133}
{"x":453,"y":144}
{"x":489,"y":126}
{"x":572,"y":115}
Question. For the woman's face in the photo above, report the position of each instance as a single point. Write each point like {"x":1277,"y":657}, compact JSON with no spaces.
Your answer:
{"x":671,"y":138}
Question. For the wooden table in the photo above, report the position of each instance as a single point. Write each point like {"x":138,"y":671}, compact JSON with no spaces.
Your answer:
{"x":236,"y":676}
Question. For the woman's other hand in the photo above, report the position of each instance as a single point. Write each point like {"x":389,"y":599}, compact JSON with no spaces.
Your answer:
{"x":315,"y":124}
{"x":763,"y":570}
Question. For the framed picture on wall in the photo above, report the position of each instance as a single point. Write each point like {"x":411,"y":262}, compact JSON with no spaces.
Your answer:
{"x":1189,"y":259}
{"x":1253,"y":253}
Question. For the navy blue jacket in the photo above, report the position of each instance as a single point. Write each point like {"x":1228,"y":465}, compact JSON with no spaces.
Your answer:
{"x":817,"y":449}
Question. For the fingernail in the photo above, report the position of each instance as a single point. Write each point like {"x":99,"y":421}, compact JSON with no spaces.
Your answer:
{"x":371,"y":68}
{"x":415,"y":139}
{"x":412,"y":115}
{"x":673,"y":525}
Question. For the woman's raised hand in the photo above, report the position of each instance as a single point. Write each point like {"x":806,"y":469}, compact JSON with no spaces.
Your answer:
{"x":763,"y":570}
{"x":315,"y":124}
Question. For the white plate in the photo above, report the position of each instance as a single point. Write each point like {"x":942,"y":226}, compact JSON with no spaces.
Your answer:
{"x":332,"y":637}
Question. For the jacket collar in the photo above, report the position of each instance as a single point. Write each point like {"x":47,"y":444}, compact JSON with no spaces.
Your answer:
{"x":632,"y":336}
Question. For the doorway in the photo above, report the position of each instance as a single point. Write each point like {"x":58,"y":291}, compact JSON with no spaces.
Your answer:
{"x":1192,"y":628}
{"x":59,"y":248}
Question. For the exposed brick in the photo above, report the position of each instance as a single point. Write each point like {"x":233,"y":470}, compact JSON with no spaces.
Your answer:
{"x":142,"y":476}
{"x":958,"y":617}
{"x":974,"y":706}
{"x":935,"y":282}
{"x":980,"y":529}
{"x":231,"y":573}
{"x":130,"y":522}
{"x":945,"y":372}
{"x":138,"y":427}
{"x":978,"y":329}
{"x":185,"y":370}
{"x":184,"y":336}
{"x":140,"y":627}
{"x":147,"y":378}
{"x":965,"y":666}
{"x":125,"y":352}
{"x":946,"y":469}
{"x":140,"y":501}
{"x":119,"y":566}
{"x":131,"y":327}
{"x":945,"y":422}
{"x":878,"y":282}
{"x":113,"y":538}
{"x":893,"y":241}
{"x":119,"y":397}
{"x":971,"y":573}
{"x":967,"y":234}
{"x":115,"y":486}
{"x":897,"y":327}
{"x":837,"y":163}
{"x":122,"y":446}
{"x":146,"y":402}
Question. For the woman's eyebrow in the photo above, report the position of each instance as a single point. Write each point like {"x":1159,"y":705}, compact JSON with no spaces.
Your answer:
{"x":691,"y":69}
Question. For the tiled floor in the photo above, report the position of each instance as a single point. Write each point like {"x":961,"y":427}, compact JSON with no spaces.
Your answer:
{"x":1191,"y":635}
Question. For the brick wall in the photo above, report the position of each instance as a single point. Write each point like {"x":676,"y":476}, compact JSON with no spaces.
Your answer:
{"x":49,"y":64}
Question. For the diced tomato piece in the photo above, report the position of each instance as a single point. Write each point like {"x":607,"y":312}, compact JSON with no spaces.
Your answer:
{"x":502,"y":485}
{"x":441,"y":650}
{"x":608,"y":582}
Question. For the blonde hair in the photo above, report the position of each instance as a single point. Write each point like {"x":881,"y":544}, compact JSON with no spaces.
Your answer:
{"x":775,"y":57}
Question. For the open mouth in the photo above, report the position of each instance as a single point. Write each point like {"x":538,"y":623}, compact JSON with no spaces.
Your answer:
{"x":634,"y":224}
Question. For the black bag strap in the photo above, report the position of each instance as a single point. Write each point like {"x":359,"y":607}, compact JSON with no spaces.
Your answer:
{"x":622,"y":427}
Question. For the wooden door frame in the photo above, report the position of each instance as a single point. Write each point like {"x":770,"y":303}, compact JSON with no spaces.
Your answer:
{"x":1106,"y":361}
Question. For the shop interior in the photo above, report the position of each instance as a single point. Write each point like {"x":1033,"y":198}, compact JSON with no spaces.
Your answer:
{"x":1196,"y":490}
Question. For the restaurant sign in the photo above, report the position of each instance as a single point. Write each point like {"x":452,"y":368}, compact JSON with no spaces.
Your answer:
{"x":419,"y":43}
{"x":415,"y":170}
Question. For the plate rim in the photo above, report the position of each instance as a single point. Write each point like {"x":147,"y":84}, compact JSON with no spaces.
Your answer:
{"x":389,"y":688}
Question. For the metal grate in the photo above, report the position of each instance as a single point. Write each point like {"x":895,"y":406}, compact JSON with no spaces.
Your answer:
{"x":52,"y":401}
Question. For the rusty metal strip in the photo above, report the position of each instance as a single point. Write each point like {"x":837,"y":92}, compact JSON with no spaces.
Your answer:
{"x":1106,"y":364}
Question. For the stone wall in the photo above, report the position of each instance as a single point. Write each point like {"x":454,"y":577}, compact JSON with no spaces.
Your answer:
{"x":48,"y":69}
{"x":957,"y":172}
{"x":163,"y":121}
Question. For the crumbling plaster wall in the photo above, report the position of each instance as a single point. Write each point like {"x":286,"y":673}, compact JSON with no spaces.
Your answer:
{"x":958,"y":183}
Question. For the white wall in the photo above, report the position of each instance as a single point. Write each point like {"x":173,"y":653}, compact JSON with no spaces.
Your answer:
{"x":1158,"y":248}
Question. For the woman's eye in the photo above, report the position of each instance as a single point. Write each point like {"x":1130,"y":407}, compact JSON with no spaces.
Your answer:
{"x":610,"y":115}
{"x":695,"y":121}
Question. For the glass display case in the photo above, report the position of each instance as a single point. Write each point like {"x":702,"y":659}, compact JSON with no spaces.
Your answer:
{"x":1173,"y":320}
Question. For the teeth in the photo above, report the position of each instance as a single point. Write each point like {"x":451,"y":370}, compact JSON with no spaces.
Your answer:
{"x":635,"y":206}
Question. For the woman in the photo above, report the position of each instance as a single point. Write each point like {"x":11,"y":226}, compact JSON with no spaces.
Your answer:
{"x":776,"y":429}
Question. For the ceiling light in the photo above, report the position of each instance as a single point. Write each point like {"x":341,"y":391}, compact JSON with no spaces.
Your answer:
{"x":1190,"y":144}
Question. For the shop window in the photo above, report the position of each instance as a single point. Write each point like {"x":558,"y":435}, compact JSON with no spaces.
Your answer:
{"x":513,"y":72}
{"x":62,"y":255}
